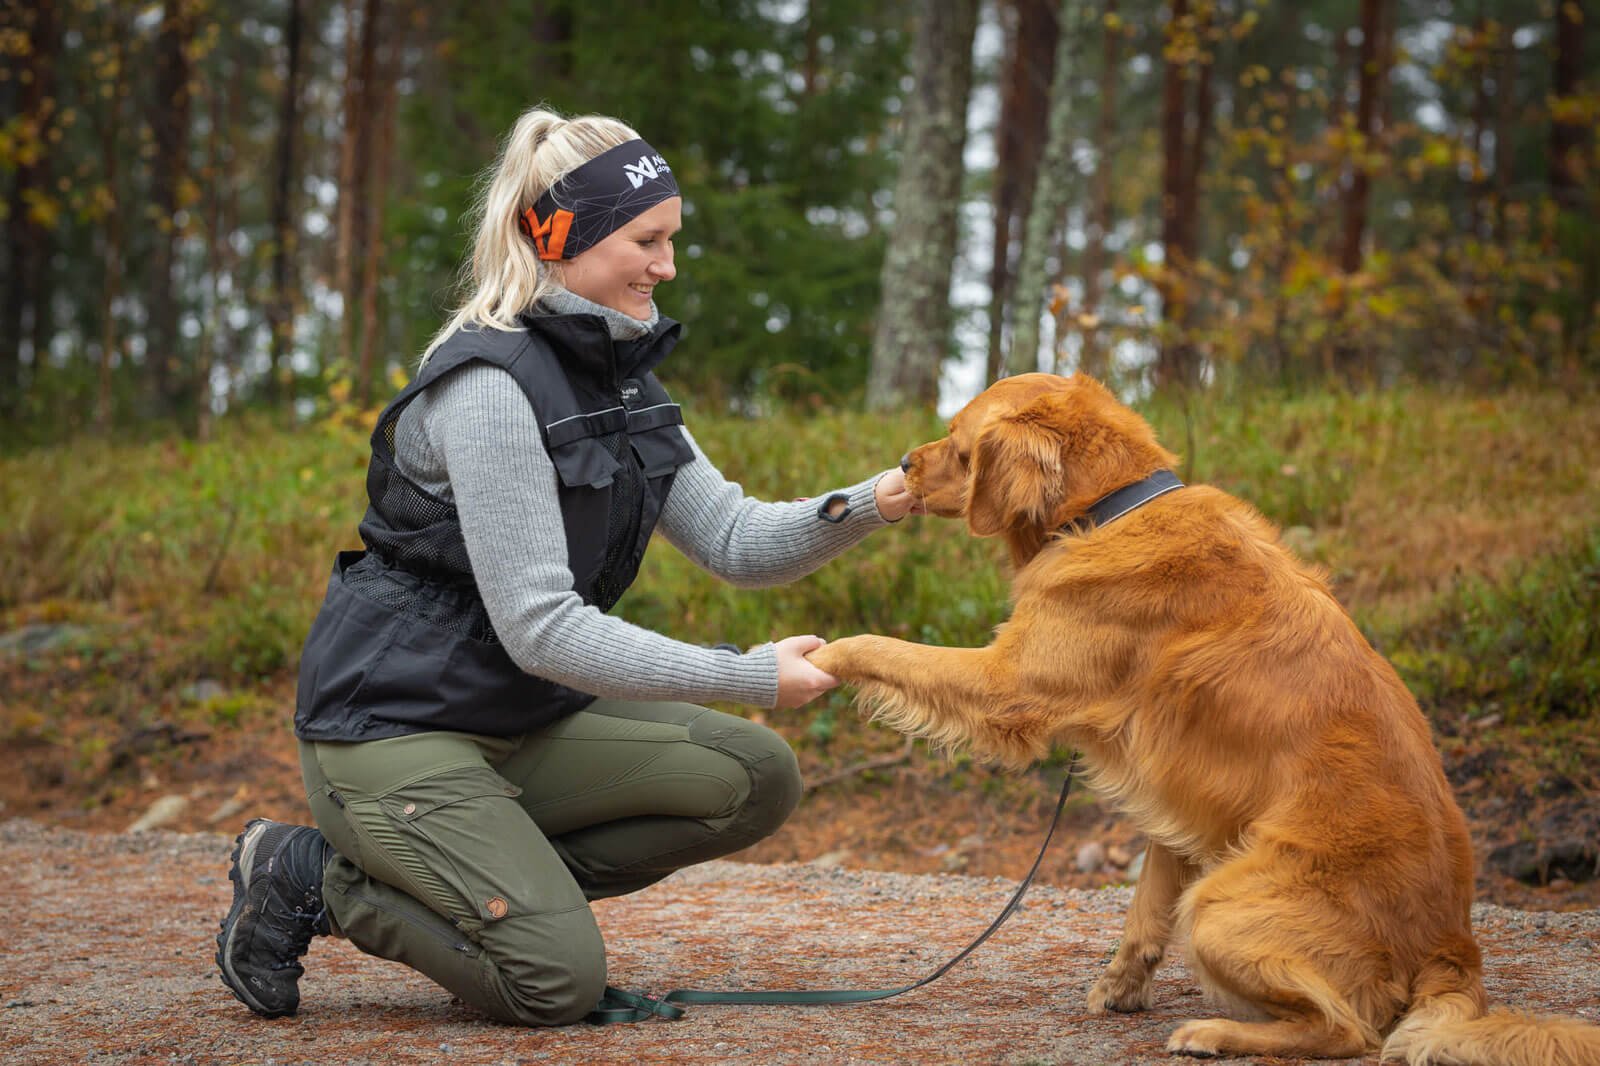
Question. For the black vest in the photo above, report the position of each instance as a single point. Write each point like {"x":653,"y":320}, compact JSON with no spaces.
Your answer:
{"x":402,"y":643}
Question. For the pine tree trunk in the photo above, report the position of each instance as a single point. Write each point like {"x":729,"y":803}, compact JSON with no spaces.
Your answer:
{"x":912,"y":337}
{"x":1175,"y":364}
{"x":1019,"y":144}
{"x":353,"y":159}
{"x":1094,"y":358}
{"x":170,"y":122}
{"x":1505,"y":82}
{"x":1369,"y":82}
{"x":218,"y":178}
{"x":280,"y":308}
{"x":1049,"y":201}
{"x":1566,"y":132}
{"x":371,"y":332}
{"x":28,"y":242}
{"x":111,"y":231}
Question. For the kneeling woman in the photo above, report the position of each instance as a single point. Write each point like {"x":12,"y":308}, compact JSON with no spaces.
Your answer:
{"x":485,"y":750}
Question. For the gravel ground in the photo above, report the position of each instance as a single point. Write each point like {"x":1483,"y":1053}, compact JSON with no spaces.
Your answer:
{"x":109,"y":941}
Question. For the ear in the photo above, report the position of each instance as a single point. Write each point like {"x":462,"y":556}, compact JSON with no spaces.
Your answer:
{"x":1016,"y":476}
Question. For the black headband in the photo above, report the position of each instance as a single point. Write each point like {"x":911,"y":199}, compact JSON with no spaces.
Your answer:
{"x":608,"y":191}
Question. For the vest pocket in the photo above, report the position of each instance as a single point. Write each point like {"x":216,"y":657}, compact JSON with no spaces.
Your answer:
{"x":661,"y":450}
{"x":584,"y":463}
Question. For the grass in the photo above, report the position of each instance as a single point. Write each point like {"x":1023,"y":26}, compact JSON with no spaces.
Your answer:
{"x":1462,"y":531}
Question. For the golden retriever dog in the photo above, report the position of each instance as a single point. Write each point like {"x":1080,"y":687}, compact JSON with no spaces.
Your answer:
{"x":1304,"y":842}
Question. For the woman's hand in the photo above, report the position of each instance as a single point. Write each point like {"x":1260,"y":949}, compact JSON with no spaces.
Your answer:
{"x":798,"y":681}
{"x":894,"y":501}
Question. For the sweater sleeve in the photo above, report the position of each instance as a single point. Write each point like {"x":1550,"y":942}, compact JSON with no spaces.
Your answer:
{"x":505,"y":491}
{"x":753,"y":544}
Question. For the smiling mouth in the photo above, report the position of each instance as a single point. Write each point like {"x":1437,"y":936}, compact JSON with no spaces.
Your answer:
{"x":643,"y":290}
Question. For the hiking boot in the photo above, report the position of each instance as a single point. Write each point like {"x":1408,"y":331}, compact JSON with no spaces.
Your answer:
{"x":277,"y":909}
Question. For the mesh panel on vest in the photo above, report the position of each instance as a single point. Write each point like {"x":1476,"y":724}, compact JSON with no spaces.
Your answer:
{"x":417,"y":530}
{"x":457,"y":609}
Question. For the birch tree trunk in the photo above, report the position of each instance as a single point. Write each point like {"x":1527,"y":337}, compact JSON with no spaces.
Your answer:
{"x":1049,"y":200}
{"x":914,"y":319}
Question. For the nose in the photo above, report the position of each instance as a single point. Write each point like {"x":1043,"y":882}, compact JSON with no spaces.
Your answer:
{"x":905,"y":462}
{"x":663,"y":267}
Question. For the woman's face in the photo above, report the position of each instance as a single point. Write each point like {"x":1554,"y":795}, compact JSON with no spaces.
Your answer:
{"x":622,"y":271}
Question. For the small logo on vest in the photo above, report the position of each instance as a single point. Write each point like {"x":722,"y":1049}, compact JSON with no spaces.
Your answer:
{"x":631,"y":391}
{"x":497,"y":908}
{"x":648,"y":168}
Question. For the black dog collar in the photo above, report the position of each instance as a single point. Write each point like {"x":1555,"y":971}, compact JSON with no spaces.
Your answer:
{"x":1111,"y":507}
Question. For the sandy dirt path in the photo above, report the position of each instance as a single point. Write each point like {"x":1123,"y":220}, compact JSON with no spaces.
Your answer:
{"x":108,"y":945}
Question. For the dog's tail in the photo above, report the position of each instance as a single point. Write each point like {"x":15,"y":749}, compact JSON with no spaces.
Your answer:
{"x":1448,"y":1025}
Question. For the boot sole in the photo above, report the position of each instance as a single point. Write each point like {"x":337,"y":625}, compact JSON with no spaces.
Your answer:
{"x":244,"y":856}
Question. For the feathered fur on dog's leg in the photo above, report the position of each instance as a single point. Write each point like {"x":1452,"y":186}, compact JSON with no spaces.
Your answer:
{"x":1125,"y":984}
{"x":953,"y":697}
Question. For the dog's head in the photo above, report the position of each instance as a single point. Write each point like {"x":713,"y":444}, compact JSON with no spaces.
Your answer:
{"x":1033,"y":452}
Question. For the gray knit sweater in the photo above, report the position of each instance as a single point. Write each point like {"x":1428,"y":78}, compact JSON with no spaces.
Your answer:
{"x":474,"y":439}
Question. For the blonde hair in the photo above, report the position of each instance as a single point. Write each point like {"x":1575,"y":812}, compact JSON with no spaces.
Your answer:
{"x":505,"y":275}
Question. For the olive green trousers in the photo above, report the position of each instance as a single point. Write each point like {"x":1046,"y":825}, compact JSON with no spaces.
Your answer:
{"x":473,"y":859}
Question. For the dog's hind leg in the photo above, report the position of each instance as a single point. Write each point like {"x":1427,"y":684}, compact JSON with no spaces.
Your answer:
{"x":1298,"y":962}
{"x":1125,"y":984}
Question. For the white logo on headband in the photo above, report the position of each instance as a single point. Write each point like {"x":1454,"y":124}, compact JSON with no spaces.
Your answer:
{"x":648,"y":168}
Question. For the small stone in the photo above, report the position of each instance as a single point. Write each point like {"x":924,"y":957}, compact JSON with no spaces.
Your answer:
{"x":1120,"y":856}
{"x":1091,"y":857}
{"x":831,"y":859}
{"x":159,"y":813}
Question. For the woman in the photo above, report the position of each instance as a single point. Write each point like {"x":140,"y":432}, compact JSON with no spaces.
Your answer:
{"x":485,"y":750}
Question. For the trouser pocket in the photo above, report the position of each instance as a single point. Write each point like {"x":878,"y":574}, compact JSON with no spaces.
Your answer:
{"x":472,"y":851}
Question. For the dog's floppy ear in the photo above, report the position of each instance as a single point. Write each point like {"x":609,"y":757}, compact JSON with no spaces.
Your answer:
{"x":1015,"y":476}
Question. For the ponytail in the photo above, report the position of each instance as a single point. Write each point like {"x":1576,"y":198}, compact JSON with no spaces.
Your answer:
{"x":505,"y":276}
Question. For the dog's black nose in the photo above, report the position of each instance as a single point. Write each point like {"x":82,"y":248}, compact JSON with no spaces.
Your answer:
{"x":905,"y":462}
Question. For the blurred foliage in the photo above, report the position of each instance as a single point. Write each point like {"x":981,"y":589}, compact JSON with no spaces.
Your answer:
{"x":1460,"y":531}
{"x":783,"y":125}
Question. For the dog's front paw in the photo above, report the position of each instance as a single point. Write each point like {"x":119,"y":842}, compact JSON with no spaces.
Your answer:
{"x":846,"y":658}
{"x":1120,"y":991}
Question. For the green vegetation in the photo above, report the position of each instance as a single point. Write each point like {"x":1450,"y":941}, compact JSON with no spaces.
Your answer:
{"x":1463,"y":532}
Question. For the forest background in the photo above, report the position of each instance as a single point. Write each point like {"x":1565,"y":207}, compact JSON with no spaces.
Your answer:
{"x":1345,"y":255}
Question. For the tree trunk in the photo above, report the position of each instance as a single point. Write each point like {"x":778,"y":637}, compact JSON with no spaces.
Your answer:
{"x":354,"y":160}
{"x":1482,"y":51}
{"x":218,"y":179}
{"x":1369,"y":80}
{"x":112,"y":237}
{"x":27,"y":240}
{"x":1019,"y":143}
{"x":912,"y":336}
{"x":280,"y":307}
{"x":1094,"y":356}
{"x":394,"y":51}
{"x":1567,"y":128}
{"x":170,"y":123}
{"x":1176,"y":363}
{"x":1505,"y":82}
{"x":1048,"y":201}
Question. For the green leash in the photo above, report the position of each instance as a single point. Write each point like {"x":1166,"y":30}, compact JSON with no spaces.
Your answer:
{"x":618,"y":1005}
